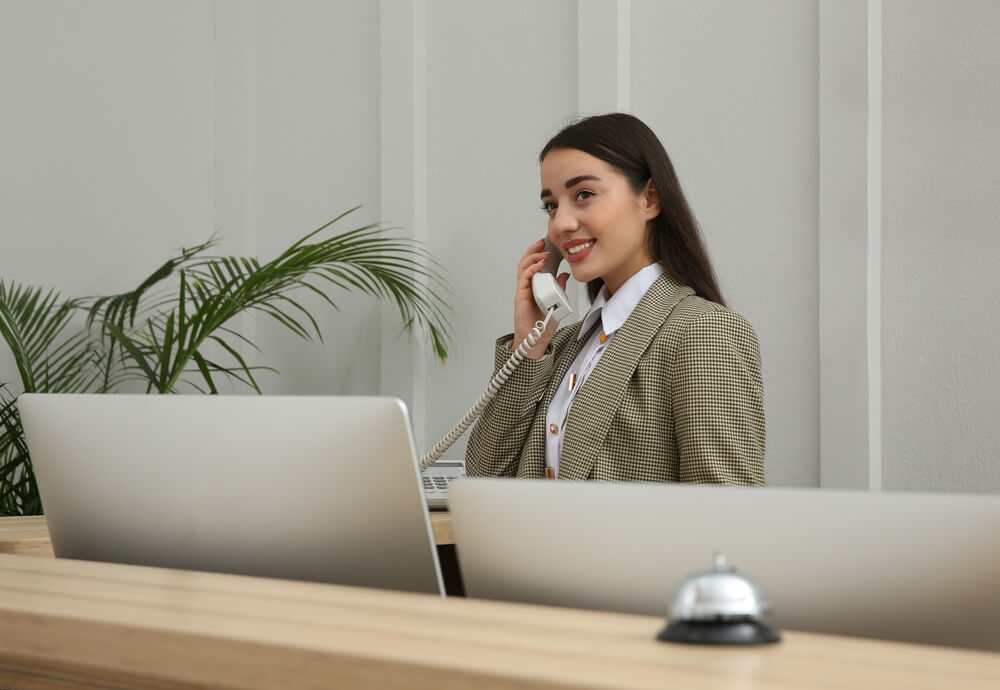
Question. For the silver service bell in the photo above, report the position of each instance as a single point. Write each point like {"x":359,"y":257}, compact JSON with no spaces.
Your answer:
{"x":719,"y":606}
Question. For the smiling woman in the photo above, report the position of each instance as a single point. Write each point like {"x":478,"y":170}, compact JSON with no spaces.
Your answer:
{"x":659,"y":381}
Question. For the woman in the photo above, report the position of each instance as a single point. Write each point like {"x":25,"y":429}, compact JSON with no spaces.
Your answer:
{"x":659,"y":381}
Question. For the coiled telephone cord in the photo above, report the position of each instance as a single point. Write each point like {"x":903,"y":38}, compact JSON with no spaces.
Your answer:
{"x":498,"y":380}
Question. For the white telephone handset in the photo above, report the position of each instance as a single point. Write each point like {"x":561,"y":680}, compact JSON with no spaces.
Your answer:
{"x":551,"y":300}
{"x":548,"y":294}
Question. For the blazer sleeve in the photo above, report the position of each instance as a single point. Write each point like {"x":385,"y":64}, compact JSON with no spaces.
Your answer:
{"x":718,"y":401}
{"x":497,"y":439}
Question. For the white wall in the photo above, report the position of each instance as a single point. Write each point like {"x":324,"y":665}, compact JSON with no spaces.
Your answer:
{"x":130,"y":129}
{"x":731,"y":89}
{"x":107,"y":139}
{"x":316,"y":141}
{"x":133,"y":129}
{"x":941,"y":244}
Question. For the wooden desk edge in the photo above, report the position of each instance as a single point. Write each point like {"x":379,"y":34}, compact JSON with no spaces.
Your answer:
{"x":25,"y":536}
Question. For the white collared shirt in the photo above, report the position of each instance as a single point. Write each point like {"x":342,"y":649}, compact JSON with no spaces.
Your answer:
{"x":612,"y":311}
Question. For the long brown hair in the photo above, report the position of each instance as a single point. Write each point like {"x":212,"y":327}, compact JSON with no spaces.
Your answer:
{"x":625,"y":143}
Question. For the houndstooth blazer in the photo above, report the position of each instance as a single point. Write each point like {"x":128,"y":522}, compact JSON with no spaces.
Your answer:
{"x":676,"y":396}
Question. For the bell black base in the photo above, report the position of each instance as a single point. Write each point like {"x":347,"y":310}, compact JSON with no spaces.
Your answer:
{"x":720,"y":632}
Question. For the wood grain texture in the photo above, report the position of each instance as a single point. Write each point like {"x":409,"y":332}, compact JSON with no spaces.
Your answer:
{"x":25,"y":536}
{"x":81,"y":624}
{"x":441,"y":523}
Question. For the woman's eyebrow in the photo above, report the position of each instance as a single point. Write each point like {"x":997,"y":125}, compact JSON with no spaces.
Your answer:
{"x":572,"y":182}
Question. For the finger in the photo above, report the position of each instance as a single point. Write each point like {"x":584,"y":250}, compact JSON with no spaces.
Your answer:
{"x":562,"y":279}
{"x":533,"y":263}
{"x":534,"y":254}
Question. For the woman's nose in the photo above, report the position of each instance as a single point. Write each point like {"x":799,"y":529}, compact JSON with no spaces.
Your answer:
{"x":563,"y":220}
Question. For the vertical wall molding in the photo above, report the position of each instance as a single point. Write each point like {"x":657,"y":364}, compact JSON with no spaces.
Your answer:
{"x":874,"y":272}
{"x":403,"y":166}
{"x":624,"y":55}
{"x":850,"y":181}
{"x":604,"y":55}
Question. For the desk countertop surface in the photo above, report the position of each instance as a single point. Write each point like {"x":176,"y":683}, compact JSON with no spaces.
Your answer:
{"x":80,"y":624}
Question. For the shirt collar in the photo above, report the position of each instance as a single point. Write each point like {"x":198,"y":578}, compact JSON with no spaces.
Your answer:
{"x":614,"y":309}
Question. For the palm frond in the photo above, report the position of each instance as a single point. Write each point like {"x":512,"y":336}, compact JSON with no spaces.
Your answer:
{"x":123,"y":309}
{"x":214,"y":289}
{"x":18,"y":491}
{"x":33,"y":323}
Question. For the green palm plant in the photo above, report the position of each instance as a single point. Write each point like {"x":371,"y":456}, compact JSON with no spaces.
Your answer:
{"x":177,"y":327}
{"x":33,"y":322}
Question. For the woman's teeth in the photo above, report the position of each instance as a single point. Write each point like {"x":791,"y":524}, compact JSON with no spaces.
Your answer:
{"x":579,"y":248}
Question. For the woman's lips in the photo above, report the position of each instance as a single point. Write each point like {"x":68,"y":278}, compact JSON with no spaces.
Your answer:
{"x":579,"y":252}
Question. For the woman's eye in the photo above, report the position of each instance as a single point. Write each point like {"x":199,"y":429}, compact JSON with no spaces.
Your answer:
{"x":583,"y":195}
{"x":548,"y":206}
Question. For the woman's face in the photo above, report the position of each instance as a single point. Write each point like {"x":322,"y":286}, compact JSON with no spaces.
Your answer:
{"x":595,"y":219}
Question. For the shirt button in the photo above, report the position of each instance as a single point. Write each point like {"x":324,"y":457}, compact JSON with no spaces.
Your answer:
{"x":553,"y":428}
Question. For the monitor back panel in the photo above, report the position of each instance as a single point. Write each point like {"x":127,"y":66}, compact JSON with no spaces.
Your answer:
{"x":912,"y":567}
{"x":313,"y":488}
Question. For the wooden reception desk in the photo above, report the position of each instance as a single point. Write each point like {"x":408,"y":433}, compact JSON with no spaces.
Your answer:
{"x":72,"y":623}
{"x":80,"y":624}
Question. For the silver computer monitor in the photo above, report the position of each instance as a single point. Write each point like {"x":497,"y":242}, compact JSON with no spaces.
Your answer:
{"x":312,"y":488}
{"x":902,"y":566}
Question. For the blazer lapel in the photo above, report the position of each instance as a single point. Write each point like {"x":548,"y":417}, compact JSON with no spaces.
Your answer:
{"x":599,"y":398}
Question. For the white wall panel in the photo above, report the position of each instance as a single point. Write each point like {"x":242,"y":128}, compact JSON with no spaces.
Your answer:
{"x":731,"y":89}
{"x":106,"y":161}
{"x":850,"y":181}
{"x":316,"y":141}
{"x":941,"y":322}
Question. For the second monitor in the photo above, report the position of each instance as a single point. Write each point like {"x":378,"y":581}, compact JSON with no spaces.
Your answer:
{"x":910,"y":567}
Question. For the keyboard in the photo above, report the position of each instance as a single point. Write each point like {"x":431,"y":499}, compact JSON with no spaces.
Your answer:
{"x":436,"y":479}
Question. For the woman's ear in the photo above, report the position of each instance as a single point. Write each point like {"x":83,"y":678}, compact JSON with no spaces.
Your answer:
{"x":650,"y":201}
